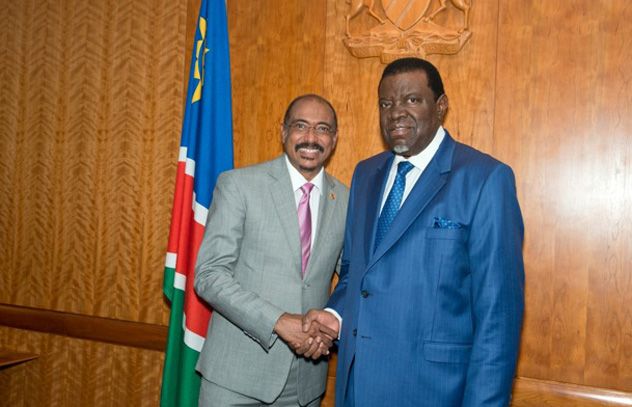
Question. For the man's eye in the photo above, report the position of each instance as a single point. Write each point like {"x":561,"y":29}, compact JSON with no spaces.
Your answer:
{"x":300,"y":126}
{"x":413,"y":99}
{"x":322,"y":129}
{"x":384,"y":105}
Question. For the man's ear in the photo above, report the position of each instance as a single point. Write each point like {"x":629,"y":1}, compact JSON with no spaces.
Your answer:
{"x":442,"y":106}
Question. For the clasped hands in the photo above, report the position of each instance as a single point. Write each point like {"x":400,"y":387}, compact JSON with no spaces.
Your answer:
{"x":310,"y":335}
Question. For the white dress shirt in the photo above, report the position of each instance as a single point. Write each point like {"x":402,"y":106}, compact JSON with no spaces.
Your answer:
{"x":419,"y":162}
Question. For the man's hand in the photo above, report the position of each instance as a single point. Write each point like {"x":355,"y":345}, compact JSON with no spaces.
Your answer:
{"x":321,"y":339}
{"x":313,"y":342}
{"x":319,"y":321}
{"x":323,"y":318}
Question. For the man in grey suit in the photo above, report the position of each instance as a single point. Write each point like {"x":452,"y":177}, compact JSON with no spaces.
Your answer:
{"x":269,"y":251}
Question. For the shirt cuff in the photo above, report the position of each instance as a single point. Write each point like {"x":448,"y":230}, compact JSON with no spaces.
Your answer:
{"x":338,"y":317}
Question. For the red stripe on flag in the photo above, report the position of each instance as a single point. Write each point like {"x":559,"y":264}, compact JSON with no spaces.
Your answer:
{"x":190,"y":236}
{"x":196,"y":310}
{"x":175,"y":233}
{"x":185,"y":253}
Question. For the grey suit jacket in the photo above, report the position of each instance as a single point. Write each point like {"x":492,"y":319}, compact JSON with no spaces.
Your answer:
{"x":249,"y":270}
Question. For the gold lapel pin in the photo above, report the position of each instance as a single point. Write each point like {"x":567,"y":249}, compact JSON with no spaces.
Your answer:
{"x":332,"y":196}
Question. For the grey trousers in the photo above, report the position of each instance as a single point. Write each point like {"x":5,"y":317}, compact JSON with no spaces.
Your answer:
{"x":213,"y":395}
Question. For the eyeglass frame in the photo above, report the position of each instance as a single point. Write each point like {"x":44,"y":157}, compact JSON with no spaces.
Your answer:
{"x":307,"y":128}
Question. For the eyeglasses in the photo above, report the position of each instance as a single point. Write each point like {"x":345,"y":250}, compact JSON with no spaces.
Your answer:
{"x":304,"y":128}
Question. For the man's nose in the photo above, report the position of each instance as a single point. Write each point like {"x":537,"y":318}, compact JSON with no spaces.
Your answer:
{"x":310,"y":134}
{"x":397,"y":111}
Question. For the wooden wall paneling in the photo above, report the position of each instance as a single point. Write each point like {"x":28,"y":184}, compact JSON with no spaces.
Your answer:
{"x":26,"y":146}
{"x":564,"y":100}
{"x":91,"y":118}
{"x":607,"y":160}
{"x":12,"y":379}
{"x":11,"y":56}
{"x":164,"y":90}
{"x":518,"y":57}
{"x":77,"y":372}
{"x":351,"y":85}
{"x":470,"y":76}
{"x":77,"y":212}
{"x":277,"y":49}
{"x":138,"y":143}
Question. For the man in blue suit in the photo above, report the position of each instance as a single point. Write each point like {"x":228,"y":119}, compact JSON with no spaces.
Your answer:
{"x":430,"y":298}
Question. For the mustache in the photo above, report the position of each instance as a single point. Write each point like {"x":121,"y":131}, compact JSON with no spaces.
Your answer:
{"x":310,"y":145}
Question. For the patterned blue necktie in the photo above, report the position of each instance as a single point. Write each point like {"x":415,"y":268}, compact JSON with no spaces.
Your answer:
{"x":393,"y":202}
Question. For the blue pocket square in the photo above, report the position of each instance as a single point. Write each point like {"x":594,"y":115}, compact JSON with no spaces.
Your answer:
{"x":443,"y":223}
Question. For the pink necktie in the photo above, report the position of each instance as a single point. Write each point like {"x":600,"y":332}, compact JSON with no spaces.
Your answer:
{"x":305,"y":225}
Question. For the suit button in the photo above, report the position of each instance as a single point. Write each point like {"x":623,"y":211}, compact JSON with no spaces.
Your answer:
{"x":355,"y":332}
{"x":364,"y":293}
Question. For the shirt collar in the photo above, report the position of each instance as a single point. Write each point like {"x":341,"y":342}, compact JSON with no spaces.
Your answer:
{"x":298,"y":180}
{"x":422,"y":159}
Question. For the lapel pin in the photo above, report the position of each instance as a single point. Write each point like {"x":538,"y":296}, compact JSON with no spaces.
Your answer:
{"x":332,"y":196}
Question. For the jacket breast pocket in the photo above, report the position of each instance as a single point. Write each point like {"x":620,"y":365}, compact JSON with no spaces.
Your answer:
{"x":448,"y":243}
{"x":447,"y":352}
{"x":447,"y":234}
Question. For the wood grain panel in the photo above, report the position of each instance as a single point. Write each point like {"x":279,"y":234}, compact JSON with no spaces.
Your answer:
{"x":13,"y":384}
{"x":277,"y":49}
{"x":562,"y":121}
{"x":470,"y":77}
{"x":351,"y":85}
{"x":91,"y":115}
{"x":10,"y":68}
{"x":72,"y":372}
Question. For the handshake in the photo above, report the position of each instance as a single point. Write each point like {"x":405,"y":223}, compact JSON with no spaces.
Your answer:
{"x":310,"y":335}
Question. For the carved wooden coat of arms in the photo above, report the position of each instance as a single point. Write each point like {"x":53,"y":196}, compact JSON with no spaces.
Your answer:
{"x":406,"y":28}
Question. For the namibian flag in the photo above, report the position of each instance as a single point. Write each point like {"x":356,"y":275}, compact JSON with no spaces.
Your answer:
{"x":205,"y":151}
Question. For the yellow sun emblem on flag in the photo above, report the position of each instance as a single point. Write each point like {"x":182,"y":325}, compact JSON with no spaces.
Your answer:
{"x":198,"y":72}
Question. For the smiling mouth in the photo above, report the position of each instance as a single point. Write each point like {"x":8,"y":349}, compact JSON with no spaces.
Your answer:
{"x":309,"y":148}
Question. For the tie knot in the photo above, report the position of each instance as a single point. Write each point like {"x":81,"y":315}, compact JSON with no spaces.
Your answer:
{"x":403,"y":167}
{"x":307,"y":188}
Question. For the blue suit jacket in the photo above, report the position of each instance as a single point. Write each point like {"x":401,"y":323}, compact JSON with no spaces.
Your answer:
{"x":433,"y":315}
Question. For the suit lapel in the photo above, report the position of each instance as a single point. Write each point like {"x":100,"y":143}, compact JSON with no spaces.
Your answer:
{"x":326,"y":208}
{"x":285,"y":207}
{"x":429,"y":184}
